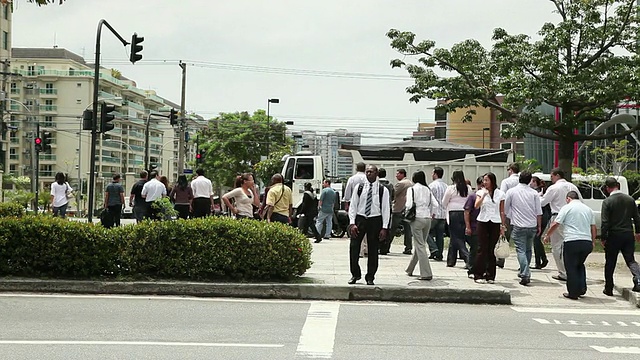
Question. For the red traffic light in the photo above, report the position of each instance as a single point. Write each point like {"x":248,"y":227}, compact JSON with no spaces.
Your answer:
{"x":198,"y":156}
{"x":38,"y":141}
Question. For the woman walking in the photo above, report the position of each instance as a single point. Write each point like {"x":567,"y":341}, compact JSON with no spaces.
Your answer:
{"x":454,"y":199}
{"x":59,"y":191}
{"x":490,"y":201}
{"x":420,"y":196}
{"x":181,"y":196}
{"x":245,"y":198}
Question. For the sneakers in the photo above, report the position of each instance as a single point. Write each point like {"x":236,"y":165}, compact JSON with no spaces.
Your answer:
{"x":525,"y":281}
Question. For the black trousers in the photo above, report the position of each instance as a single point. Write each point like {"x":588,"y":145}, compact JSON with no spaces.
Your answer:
{"x":116,"y":212}
{"x":620,"y":243}
{"x":485,"y":266}
{"x":457,"y":238}
{"x":574,"y":254}
{"x":140,"y":211}
{"x":306,"y":222}
{"x":201,"y":207}
{"x":370,"y":227}
{"x":183,"y":210}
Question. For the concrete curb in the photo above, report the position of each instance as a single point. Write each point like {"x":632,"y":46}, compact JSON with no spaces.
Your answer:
{"x":631,"y":296}
{"x":263,"y":291}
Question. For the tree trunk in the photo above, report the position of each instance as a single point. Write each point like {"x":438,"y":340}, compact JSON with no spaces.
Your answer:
{"x":565,"y":156}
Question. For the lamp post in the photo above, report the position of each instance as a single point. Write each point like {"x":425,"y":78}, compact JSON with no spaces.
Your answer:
{"x":483,"y":130}
{"x":269,"y":102}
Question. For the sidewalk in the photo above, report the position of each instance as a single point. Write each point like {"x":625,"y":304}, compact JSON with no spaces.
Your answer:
{"x":331,"y":267}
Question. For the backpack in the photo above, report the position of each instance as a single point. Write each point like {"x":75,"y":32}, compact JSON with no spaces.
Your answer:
{"x":380,"y":192}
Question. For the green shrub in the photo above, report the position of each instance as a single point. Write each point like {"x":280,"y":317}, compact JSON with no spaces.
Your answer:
{"x":11,"y":209}
{"x":201,"y":249}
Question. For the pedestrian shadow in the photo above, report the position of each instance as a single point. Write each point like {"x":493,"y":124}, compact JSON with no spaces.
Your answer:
{"x":428,"y":283}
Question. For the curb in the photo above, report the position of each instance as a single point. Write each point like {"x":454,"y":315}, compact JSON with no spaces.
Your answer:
{"x":631,"y":296}
{"x":263,"y":291}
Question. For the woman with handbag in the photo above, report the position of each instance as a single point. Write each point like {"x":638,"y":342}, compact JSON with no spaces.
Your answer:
{"x":454,"y":199}
{"x":61,"y":191}
{"x":420,"y":208}
{"x":490,"y":201}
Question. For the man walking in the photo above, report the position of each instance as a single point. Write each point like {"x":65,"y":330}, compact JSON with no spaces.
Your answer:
{"x":382,"y":179}
{"x":352,"y":183}
{"x":511,"y":181}
{"x":618,"y":211}
{"x":397,"y":216}
{"x":114,"y":199}
{"x":522,"y":207}
{"x":579,"y":228}
{"x":136,"y":201}
{"x":279,"y":201}
{"x":326,"y":204}
{"x":202,"y":202}
{"x":438,"y":188}
{"x":152,"y":191}
{"x":369,"y":215}
{"x":556,"y":198}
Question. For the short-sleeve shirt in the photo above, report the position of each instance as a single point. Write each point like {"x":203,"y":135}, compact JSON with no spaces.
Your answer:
{"x":59,"y":193}
{"x":114,"y":190}
{"x":136,"y":191}
{"x":576,"y":219}
{"x":470,"y":205}
{"x":490,"y":208}
{"x":244,"y":202}
{"x":328,"y":197}
{"x":279,"y":196}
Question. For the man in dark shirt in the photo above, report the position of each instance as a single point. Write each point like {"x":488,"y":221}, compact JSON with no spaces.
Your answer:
{"x":114,"y":199}
{"x":135,"y":200}
{"x":618,"y":210}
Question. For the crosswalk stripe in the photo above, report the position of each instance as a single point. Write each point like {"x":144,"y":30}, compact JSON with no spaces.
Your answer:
{"x":319,"y":331}
{"x":578,"y":311}
{"x":617,"y":349}
{"x":600,"y":335}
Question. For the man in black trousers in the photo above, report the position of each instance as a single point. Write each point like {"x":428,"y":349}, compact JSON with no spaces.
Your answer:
{"x":619,"y":214}
{"x":369,"y":214}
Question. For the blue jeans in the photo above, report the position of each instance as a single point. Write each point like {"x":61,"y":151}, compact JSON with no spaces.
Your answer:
{"x":523,"y":238}
{"x":60,"y":211}
{"x":322,"y":217}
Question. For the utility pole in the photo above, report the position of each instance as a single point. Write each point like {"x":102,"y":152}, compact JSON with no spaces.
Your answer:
{"x":183,"y":122}
{"x":37,"y":170}
{"x":3,"y":135}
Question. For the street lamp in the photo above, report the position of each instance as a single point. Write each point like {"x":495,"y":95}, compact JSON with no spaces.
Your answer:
{"x":269,"y":102}
{"x":483,"y":130}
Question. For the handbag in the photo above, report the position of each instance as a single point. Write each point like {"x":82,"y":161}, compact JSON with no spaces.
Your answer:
{"x":69,"y":193}
{"x":410,"y":213}
{"x":501,"y":251}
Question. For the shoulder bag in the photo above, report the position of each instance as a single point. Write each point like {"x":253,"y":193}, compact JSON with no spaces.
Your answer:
{"x":410,"y":213}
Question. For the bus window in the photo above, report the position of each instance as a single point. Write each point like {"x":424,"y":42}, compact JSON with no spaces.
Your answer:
{"x":600,"y":192}
{"x":304,"y":169}
{"x":584,"y":188}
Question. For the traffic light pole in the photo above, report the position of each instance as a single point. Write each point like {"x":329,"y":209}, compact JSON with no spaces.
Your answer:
{"x":146,"y":142}
{"x":94,"y":125}
{"x":37,"y":171}
{"x":182,"y":123}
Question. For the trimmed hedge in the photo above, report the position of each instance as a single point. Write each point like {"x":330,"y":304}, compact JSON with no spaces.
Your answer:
{"x":11,"y":209}
{"x":213,"y":248}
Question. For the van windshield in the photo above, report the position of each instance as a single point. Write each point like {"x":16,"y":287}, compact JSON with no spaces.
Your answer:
{"x":304,"y":169}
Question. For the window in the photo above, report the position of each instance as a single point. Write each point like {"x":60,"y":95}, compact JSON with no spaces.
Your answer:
{"x":519,"y":148}
{"x":78,"y":84}
{"x":584,"y":188}
{"x":505,"y":146}
{"x":304,"y":169}
{"x":5,"y":40}
{"x":441,"y":115}
{"x":31,"y":70}
{"x":440,"y":132}
{"x":5,"y":10}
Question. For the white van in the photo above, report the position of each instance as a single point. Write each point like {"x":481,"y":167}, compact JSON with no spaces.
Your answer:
{"x":301,"y":168}
{"x":592,"y":190}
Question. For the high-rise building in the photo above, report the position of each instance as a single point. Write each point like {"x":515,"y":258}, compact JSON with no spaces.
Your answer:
{"x":336,"y":165}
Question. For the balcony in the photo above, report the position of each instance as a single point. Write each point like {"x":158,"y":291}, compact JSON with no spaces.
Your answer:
{"x":154,"y":98}
{"x":15,"y":91}
{"x":14,"y":157}
{"x":137,"y":134}
{"x":48,"y":92}
{"x":109,"y":159}
{"x":47,"y":157}
{"x":48,"y":108}
{"x":137,"y":148}
{"x":135,"y":106}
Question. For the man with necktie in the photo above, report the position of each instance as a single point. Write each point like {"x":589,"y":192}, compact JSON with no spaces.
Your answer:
{"x":369,"y":215}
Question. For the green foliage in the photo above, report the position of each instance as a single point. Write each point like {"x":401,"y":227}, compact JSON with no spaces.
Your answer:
{"x":200,"y":249}
{"x":11,"y":209}
{"x":22,"y":197}
{"x":584,"y":65}
{"x":531,"y":165}
{"x":614,"y":159}
{"x":164,"y":207}
{"x":268,"y":167}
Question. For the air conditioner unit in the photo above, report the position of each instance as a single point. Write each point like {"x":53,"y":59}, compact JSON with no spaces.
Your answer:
{"x":29,"y":86}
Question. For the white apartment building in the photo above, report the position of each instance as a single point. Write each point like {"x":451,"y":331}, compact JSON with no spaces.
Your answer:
{"x":5,"y":56}
{"x":336,"y":165}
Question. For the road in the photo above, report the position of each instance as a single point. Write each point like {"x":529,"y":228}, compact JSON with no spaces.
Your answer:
{"x":121,"y":327}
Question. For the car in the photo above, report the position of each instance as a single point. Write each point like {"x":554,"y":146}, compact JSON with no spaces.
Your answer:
{"x":127,"y":212}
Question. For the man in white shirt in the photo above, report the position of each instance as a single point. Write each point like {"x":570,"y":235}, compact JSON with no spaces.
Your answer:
{"x":369,"y":215}
{"x":152,"y":191}
{"x":352,"y":183}
{"x":556,"y":198}
{"x":522,"y":207}
{"x":513,"y":179}
{"x":579,"y":228}
{"x":435,"y":240}
{"x":202,"y":202}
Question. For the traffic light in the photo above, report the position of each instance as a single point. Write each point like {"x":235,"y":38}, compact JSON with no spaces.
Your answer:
{"x":38,"y":142}
{"x":173,"y":117}
{"x":46,"y":142}
{"x":136,"y":48}
{"x":106,"y":118}
{"x":87,"y":120}
{"x":200,"y":156}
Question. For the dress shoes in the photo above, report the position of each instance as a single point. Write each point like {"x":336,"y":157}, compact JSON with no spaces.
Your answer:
{"x":557,"y":277}
{"x":354,"y":279}
{"x":318,"y":240}
{"x":427,"y":278}
{"x":608,"y":292}
{"x":636,"y":288}
{"x":370,"y":282}
{"x":544,"y":264}
{"x":407,"y":252}
{"x":570,"y":296}
{"x":525,"y":281}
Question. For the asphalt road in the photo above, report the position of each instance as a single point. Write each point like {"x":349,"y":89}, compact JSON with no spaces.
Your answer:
{"x":120,"y":327}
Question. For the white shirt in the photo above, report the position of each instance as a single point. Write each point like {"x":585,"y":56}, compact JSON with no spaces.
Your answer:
{"x":510,"y":182}
{"x":452,"y":200}
{"x":522,"y":206}
{"x":556,"y":195}
{"x":359,"y":203}
{"x":426,"y":203}
{"x":201,"y":187}
{"x":352,"y":185}
{"x":576,"y":219}
{"x":244,"y":202}
{"x":439,"y":188}
{"x":490,"y":209}
{"x":59,"y":193}
{"x":153,"y":190}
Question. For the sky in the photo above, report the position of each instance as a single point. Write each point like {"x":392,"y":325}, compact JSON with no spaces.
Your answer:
{"x":327,"y":61}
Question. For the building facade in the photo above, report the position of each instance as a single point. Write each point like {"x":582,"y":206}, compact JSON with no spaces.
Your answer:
{"x":336,"y":165}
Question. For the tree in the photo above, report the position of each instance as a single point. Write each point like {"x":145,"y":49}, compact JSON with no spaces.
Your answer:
{"x":614,"y":159}
{"x":585,"y":65}
{"x":236,"y":142}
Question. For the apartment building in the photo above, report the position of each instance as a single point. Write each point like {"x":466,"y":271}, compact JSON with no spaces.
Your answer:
{"x":336,"y":165}
{"x":5,"y":56}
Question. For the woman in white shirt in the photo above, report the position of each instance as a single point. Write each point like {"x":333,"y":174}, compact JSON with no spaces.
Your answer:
{"x":245,"y":198}
{"x":454,"y":199}
{"x":59,"y":190}
{"x":490,"y":201}
{"x":426,"y":204}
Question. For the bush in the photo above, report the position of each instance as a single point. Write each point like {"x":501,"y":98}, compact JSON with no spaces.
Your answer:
{"x":201,"y":249}
{"x":11,"y":209}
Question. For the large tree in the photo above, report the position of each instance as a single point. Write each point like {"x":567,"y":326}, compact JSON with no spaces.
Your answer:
{"x":584,"y":65}
{"x":236,"y":142}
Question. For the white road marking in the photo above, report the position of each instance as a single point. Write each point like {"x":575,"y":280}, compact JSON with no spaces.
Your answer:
{"x":578,"y":311}
{"x":600,"y":335}
{"x":542,"y":321}
{"x":617,"y":349}
{"x":134,"y":343}
{"x":319,"y":331}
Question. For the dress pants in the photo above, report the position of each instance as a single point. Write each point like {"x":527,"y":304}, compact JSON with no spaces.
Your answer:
{"x":539,"y":251}
{"x":201,"y":207}
{"x":371,"y":228}
{"x":116,"y":213}
{"x":485,"y":266}
{"x":420,"y":228}
{"x":620,"y":243}
{"x":574,"y":254}
{"x":140,"y":212}
{"x":305,"y":223}
{"x":436,"y":238}
{"x":397,"y":219}
{"x":556,"y":248}
{"x":456,"y":239}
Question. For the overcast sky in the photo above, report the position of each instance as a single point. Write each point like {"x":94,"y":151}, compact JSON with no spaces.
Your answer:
{"x":281,"y":42}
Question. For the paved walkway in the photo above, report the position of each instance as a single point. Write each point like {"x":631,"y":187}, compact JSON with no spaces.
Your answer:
{"x":331,"y":266}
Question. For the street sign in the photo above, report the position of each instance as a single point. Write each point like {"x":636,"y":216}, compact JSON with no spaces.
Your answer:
{"x":187,"y":171}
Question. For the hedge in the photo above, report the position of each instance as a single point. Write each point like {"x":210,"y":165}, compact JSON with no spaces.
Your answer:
{"x":213,"y":248}
{"x":11,"y":209}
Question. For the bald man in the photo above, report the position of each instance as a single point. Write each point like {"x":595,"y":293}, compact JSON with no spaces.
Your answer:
{"x":279,"y":201}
